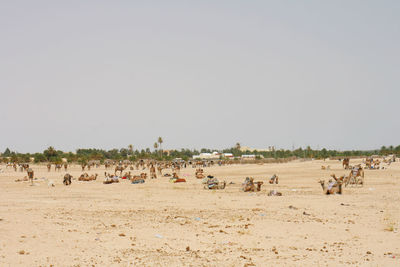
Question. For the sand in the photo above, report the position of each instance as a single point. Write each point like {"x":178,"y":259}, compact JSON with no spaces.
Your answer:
{"x":164,"y":224}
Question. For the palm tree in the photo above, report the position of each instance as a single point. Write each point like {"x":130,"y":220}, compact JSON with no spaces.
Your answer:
{"x":155,"y":146}
{"x":238,"y":146}
{"x":130,"y":148}
{"x":160,"y":141}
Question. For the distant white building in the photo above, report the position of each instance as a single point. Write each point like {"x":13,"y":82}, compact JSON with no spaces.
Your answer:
{"x":251,"y":157}
{"x":214,"y":155}
{"x":228,"y":155}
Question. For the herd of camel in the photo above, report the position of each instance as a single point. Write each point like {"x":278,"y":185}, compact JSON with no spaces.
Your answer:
{"x":124,"y":168}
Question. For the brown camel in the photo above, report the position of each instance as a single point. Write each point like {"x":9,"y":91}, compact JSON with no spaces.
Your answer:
{"x":274,"y":179}
{"x":356,"y":176}
{"x":142,"y":176}
{"x":250,"y":186}
{"x":199,"y":174}
{"x":85,"y":177}
{"x":67,"y":179}
{"x":109,"y":179}
{"x":119,"y":168}
{"x":334,"y":187}
{"x":346,"y":163}
{"x":213,"y":183}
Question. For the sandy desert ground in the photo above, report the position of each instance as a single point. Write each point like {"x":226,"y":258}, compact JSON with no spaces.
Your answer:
{"x":164,"y":224}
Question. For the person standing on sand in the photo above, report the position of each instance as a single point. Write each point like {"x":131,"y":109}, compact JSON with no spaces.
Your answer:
{"x":30,"y":175}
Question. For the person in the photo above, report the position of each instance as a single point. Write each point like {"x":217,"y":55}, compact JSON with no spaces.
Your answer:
{"x":30,"y":175}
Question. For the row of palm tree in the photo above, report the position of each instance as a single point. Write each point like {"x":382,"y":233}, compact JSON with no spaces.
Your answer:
{"x":158,"y":145}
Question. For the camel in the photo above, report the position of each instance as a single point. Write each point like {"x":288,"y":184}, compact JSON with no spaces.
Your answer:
{"x":93,"y":163}
{"x":139,"y":179}
{"x":85,"y":177}
{"x":109,"y":179}
{"x":334,"y":187}
{"x":65,"y":166}
{"x":274,"y":179}
{"x":119,"y":168}
{"x":108,"y":163}
{"x":372,"y":164}
{"x":325,"y":167}
{"x":346,"y":163}
{"x":356,"y":176}
{"x":57,"y":167}
{"x":213,"y":183}
{"x":250,"y":186}
{"x":142,"y":176}
{"x":67,"y":179}
{"x":199,"y":174}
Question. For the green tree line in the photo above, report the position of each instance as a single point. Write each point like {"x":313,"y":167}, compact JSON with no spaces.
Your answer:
{"x":86,"y":154}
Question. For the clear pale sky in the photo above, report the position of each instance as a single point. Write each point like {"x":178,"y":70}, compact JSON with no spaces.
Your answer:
{"x":106,"y":74}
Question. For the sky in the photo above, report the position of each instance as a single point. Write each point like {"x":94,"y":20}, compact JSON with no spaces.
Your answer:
{"x":106,"y":74}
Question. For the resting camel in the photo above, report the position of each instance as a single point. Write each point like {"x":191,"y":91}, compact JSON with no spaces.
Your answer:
{"x":213,"y":183}
{"x":109,"y":179}
{"x":85,"y":177}
{"x":274,"y":179}
{"x":346,"y":163}
{"x":325,"y":168}
{"x":119,"y":168}
{"x":356,"y":176}
{"x":199,"y":174}
{"x":250,"y":186}
{"x":136,"y":179}
{"x":334,"y":187}
{"x":67,"y":179}
{"x":142,"y":176}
